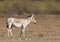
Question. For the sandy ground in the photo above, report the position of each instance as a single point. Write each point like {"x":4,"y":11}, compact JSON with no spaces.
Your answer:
{"x":47,"y":29}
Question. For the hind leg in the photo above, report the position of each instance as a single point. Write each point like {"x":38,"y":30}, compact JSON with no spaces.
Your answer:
{"x":8,"y":33}
{"x":9,"y":30}
{"x":11,"y":33}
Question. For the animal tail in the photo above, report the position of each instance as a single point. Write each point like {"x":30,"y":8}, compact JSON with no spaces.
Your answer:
{"x":6,"y":23}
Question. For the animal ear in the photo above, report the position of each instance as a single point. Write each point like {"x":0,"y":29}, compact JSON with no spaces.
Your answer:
{"x":32,"y":15}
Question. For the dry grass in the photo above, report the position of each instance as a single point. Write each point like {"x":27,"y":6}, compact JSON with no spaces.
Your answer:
{"x":19,"y":6}
{"x":47,"y":29}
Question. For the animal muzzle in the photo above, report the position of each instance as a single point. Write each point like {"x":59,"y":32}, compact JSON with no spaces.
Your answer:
{"x":35,"y":22}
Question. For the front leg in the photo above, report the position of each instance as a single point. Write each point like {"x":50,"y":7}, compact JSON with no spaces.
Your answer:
{"x":22,"y":35}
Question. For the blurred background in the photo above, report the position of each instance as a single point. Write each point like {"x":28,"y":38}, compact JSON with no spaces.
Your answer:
{"x":30,"y":6}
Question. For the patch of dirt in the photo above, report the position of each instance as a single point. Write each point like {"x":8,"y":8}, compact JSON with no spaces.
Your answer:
{"x":47,"y":29}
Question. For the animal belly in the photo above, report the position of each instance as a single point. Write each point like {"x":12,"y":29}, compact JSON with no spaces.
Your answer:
{"x":17,"y":25}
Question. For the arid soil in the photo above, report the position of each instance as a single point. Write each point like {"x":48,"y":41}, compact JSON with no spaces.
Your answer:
{"x":47,"y":29}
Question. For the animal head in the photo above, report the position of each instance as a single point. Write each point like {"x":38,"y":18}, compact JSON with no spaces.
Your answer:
{"x":33,"y":18}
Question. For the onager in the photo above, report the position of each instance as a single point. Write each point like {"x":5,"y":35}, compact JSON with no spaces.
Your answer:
{"x":19,"y":23}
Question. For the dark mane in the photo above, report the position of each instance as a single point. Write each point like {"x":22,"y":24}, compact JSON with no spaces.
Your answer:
{"x":29,"y":16}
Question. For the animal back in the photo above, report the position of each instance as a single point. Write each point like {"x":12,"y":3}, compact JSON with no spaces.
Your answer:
{"x":17,"y":20}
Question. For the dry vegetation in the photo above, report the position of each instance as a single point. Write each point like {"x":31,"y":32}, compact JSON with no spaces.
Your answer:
{"x":47,"y":15}
{"x":30,"y":6}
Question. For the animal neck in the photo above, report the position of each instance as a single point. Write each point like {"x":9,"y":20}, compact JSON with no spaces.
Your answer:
{"x":29,"y":20}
